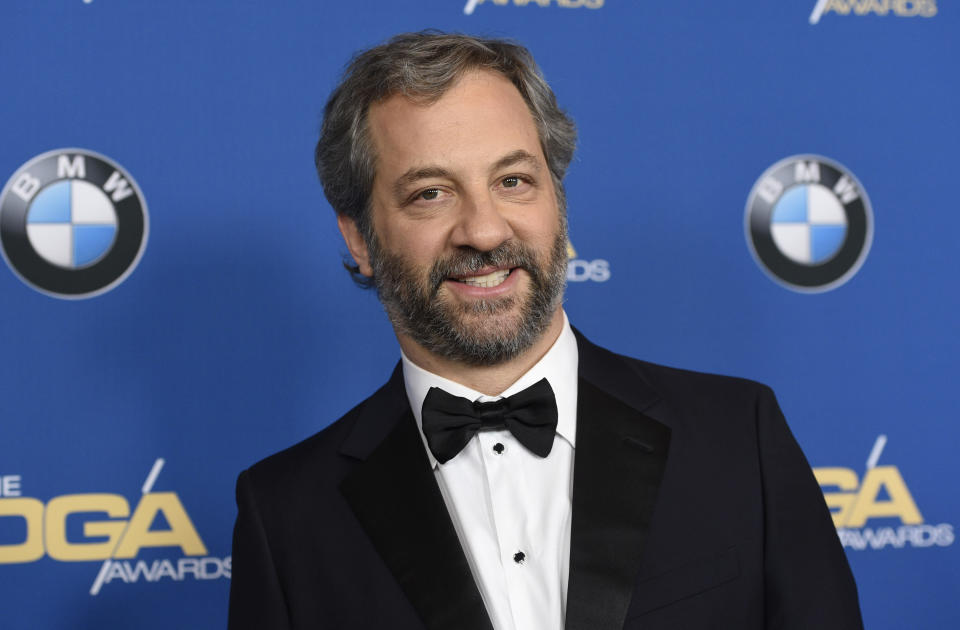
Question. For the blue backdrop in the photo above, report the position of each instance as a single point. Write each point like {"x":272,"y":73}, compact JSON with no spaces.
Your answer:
{"x":125,"y":417}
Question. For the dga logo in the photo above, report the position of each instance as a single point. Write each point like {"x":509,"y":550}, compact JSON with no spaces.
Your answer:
{"x":899,"y":8}
{"x":580,"y":270}
{"x":882,"y":494}
{"x":100,"y":526}
{"x":809,"y":224}
{"x":471,"y":5}
{"x":73,"y":223}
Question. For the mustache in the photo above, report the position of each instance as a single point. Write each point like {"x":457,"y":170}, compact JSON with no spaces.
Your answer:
{"x":509,"y":254}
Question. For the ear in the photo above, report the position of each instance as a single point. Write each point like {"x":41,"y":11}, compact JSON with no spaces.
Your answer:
{"x":355,"y":243}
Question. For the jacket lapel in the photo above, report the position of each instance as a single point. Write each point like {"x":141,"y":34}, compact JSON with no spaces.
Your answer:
{"x":619,"y":463}
{"x":620,"y":457}
{"x":395,"y":497}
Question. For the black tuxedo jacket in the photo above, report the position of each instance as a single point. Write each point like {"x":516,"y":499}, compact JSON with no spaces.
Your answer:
{"x":693,"y":507}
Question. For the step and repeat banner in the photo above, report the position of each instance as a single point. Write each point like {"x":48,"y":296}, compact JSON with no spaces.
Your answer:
{"x":760,"y":189}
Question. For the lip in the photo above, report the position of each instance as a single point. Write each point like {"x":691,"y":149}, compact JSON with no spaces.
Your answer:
{"x":483,"y":271}
{"x":467,"y":290}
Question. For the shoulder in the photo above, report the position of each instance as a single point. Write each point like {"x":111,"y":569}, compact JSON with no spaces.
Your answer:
{"x":336,"y":448}
{"x":707,"y":388}
{"x":309,"y":461}
{"x":679,"y":388}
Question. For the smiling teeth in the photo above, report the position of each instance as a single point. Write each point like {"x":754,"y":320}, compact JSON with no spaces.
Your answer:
{"x":487,"y":281}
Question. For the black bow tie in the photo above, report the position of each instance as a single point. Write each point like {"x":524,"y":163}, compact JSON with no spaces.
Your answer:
{"x":450,"y":421}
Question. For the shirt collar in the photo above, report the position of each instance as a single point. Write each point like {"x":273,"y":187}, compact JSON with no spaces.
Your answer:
{"x":558,"y":366}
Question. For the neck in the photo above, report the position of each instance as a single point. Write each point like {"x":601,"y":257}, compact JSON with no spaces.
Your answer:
{"x":486,"y":379}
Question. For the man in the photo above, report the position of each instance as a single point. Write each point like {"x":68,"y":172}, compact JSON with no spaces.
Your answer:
{"x":512,"y":475}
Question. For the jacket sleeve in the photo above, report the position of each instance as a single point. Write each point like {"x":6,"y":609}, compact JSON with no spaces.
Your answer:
{"x":808,"y":582}
{"x":256,"y":597}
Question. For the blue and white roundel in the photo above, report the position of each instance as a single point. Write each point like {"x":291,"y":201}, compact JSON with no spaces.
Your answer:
{"x":808,"y":224}
{"x":71,"y":223}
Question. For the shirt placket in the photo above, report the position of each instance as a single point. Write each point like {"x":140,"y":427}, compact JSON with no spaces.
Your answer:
{"x":507,"y":489}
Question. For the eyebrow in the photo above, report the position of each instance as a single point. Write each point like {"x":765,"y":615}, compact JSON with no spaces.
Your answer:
{"x":416,"y":174}
{"x":517,"y":157}
{"x":427,"y":172}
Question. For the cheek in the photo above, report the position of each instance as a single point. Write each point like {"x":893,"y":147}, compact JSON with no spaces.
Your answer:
{"x":416,"y":240}
{"x":539,"y":228}
{"x":417,"y":245}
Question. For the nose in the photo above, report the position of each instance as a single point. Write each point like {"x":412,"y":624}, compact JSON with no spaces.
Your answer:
{"x":481,"y":223}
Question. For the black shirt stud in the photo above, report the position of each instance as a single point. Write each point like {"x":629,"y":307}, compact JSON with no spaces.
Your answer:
{"x":519,"y":557}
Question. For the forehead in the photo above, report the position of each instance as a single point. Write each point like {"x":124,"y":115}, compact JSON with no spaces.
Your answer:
{"x":480,"y":118}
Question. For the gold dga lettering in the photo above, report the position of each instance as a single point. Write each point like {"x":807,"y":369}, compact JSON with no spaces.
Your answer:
{"x":594,"y":4}
{"x":900,"y":504}
{"x":838,"y":6}
{"x":59,"y":508}
{"x":31,"y":549}
{"x":929,"y":8}
{"x":846,"y":481}
{"x":570,"y":4}
{"x":181,"y":534}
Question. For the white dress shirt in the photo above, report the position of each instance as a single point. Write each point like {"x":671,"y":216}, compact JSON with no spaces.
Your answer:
{"x":511,"y":508}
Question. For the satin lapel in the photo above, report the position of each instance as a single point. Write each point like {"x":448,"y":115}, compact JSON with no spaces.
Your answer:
{"x":619,"y":462}
{"x":397,"y":501}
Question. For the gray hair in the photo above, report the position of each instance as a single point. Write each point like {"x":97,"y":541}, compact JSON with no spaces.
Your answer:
{"x":423,"y":66}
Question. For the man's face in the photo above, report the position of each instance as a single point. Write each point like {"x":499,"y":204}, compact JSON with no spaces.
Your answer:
{"x":469,"y":246}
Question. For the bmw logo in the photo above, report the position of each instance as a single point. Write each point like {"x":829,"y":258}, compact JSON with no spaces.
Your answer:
{"x":73,"y":223}
{"x":809,"y":224}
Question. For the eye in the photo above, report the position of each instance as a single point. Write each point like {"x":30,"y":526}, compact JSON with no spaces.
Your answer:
{"x":516,"y":185}
{"x":431,"y":197}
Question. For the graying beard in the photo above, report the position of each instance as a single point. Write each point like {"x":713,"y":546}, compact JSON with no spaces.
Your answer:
{"x":423,"y":319}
